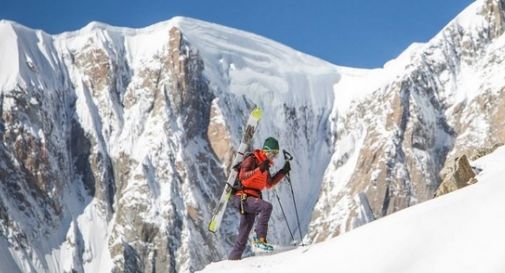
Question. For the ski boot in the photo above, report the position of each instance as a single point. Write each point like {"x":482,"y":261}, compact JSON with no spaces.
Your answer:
{"x":262,"y":245}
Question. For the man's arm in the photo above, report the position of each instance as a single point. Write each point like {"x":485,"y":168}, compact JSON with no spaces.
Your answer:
{"x":272,"y":181}
{"x":248,"y":168}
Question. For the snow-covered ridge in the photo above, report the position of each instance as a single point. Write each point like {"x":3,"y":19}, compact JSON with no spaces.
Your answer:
{"x":224,"y":50}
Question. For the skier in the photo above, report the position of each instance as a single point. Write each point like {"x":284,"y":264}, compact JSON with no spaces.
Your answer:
{"x":254,"y":176}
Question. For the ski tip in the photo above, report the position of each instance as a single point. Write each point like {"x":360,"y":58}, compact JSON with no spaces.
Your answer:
{"x":213,"y":226}
{"x":257,"y":113}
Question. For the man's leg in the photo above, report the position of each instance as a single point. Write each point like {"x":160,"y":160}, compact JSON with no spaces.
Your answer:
{"x":246,"y":224}
{"x":264,"y":209}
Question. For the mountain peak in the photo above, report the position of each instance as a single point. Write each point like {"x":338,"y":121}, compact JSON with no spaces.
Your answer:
{"x":15,"y":25}
{"x":5,"y":21}
{"x":94,"y":25}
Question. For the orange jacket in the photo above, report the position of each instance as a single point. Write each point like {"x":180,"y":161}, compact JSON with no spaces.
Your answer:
{"x":253,"y":180}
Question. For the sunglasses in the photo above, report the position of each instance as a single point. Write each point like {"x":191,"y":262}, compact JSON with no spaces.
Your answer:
{"x":273,"y":152}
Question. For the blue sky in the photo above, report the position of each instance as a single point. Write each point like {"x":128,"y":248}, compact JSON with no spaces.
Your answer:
{"x":357,"y":33}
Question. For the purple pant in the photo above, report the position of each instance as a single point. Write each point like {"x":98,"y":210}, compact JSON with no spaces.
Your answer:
{"x":252,"y":206}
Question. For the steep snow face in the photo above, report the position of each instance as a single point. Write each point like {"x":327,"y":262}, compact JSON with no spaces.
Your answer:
{"x":260,"y":69}
{"x":294,"y":90}
{"x":459,"y":232}
{"x":436,"y":101}
{"x":9,"y":63}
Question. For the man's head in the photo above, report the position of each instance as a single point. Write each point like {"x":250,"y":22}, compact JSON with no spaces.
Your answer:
{"x":271,"y":148}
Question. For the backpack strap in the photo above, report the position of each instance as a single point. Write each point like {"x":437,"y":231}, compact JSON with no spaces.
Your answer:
{"x":239,"y":187}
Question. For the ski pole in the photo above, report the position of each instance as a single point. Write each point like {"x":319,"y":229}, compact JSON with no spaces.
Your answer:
{"x":296,"y":210}
{"x":285,"y":218}
{"x":289,"y":157}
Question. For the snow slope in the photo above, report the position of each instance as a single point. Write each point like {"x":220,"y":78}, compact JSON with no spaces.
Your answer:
{"x":459,"y":232}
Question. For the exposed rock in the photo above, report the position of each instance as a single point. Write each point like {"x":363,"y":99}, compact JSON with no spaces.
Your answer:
{"x":484,"y":151}
{"x":457,"y":175}
{"x":219,"y":136}
{"x":365,"y":211}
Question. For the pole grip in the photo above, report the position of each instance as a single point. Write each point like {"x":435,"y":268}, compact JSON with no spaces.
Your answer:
{"x":287,"y":155}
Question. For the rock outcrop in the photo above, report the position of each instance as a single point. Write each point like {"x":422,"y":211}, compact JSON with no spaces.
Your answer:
{"x":457,"y":176}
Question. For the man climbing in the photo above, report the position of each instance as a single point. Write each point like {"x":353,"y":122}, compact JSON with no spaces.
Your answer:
{"x":254,"y":176}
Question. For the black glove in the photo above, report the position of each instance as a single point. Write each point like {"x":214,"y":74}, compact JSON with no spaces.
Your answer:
{"x":265,"y":165}
{"x":286,"y":168}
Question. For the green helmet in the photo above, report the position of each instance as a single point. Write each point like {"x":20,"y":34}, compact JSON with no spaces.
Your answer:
{"x":271,"y":144}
